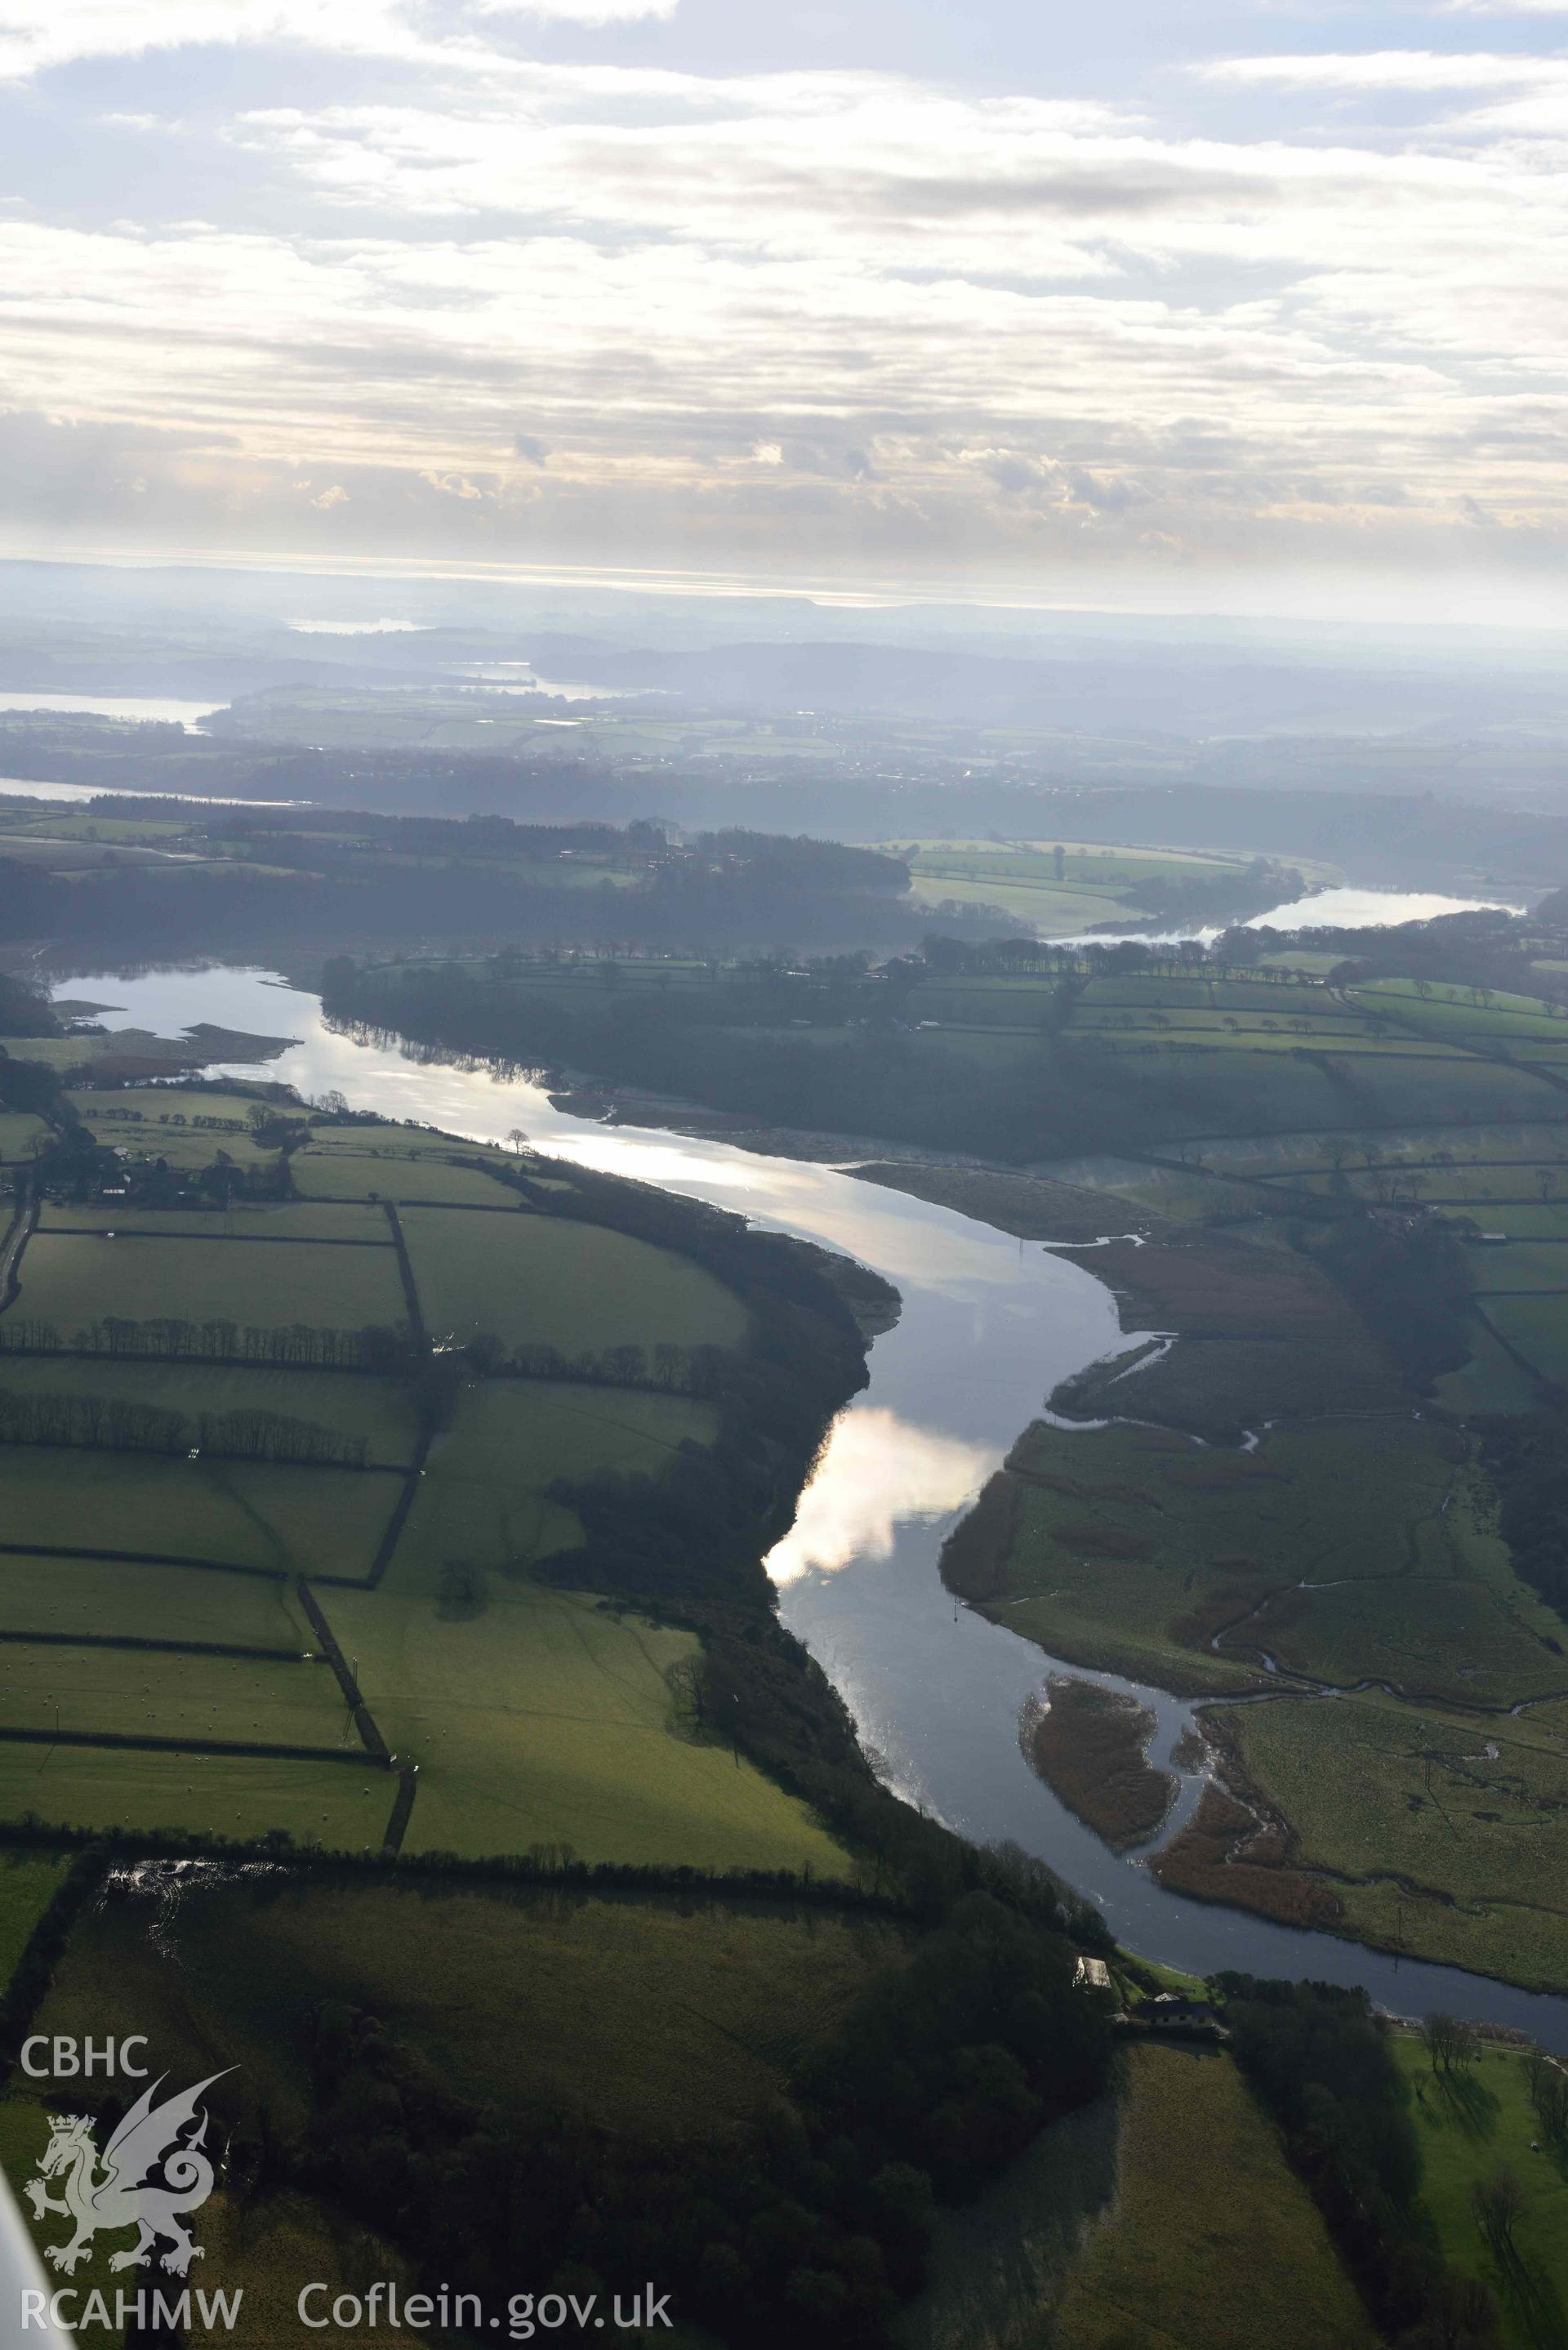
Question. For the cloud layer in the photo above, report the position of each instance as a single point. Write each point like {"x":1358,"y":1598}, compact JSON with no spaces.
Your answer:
{"x":424,"y":290}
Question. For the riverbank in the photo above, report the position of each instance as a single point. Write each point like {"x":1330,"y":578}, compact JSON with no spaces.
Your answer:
{"x":988,"y":1328}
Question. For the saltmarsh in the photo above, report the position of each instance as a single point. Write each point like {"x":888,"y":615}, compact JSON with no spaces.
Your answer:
{"x":1444,"y":1833}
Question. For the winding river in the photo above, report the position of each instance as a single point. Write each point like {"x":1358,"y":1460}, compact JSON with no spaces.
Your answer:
{"x":989,"y":1325}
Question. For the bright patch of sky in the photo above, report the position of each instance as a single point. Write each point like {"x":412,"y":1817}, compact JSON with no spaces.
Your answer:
{"x":1141,"y":305}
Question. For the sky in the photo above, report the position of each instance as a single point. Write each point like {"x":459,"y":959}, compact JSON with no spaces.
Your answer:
{"x":1149,"y":304}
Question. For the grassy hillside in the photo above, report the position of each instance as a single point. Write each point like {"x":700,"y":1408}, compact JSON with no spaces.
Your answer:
{"x":1212,"y":2242}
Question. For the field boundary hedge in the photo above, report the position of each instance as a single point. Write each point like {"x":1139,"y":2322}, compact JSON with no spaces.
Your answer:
{"x":364,"y":1722}
{"x":247,"y":1240}
{"x":406,"y":1272}
{"x":140,"y":1641}
{"x":392,"y":1533}
{"x":123,"y":1741}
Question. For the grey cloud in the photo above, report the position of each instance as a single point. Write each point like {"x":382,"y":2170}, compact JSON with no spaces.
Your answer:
{"x":1113,"y":494}
{"x":1015,"y":474}
{"x":1079,"y":194}
{"x":532,"y":451}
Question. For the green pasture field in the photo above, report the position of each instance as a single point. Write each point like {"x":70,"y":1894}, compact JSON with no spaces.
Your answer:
{"x":1537,"y":1327}
{"x":1309,"y":1024}
{"x":1398,"y":1086}
{"x":1469,"y":1191}
{"x":1302,"y":963}
{"x":138,"y":1693}
{"x":654,"y":2019}
{"x":333,"y":1804}
{"x":555,"y":1283}
{"x":1451,"y":1010}
{"x":1300,"y":1157}
{"x":391,"y":1139}
{"x":983,"y":1003}
{"x":1520,"y":1267}
{"x":1258,"y":1089}
{"x":1164,"y":992}
{"x":28,"y":1883}
{"x":1470,"y":2123}
{"x":401,"y":1172}
{"x":287,"y":1520}
{"x":1044,"y":908}
{"x":1382,"y":1792}
{"x":1490,"y":1382}
{"x":546,"y":1718}
{"x":127,"y":1600}
{"x":989,"y":1047}
{"x":75,"y":1280}
{"x":1213,"y":2243}
{"x":1085,"y":863}
{"x":69,"y":820}
{"x":483,"y":1494}
{"x":19,"y":1134}
{"x":349,"y":1404}
{"x":288,"y":1220}
{"x":1541,"y":1221}
{"x":144,"y":1113}
{"x":77,"y":1052}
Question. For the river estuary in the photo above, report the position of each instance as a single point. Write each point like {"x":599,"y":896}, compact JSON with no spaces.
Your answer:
{"x":989,"y":1325}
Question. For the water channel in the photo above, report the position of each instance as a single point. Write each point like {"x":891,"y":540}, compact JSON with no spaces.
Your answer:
{"x":990,"y":1324}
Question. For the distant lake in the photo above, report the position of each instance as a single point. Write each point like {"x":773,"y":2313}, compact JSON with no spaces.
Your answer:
{"x":1362,"y":909}
{"x":1329,"y":909}
{"x":15,"y":787}
{"x":113,"y":705}
{"x":517,"y":677}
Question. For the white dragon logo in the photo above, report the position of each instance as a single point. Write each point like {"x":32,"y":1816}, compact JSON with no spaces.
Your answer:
{"x":125,"y":2196}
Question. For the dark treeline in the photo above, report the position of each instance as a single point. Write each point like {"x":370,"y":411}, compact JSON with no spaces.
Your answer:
{"x":810,"y":2222}
{"x":884,"y":1081}
{"x":1169,"y":901}
{"x":376,"y":1348}
{"x":1528,"y":1461}
{"x":663,"y":1369}
{"x":1406,"y":838}
{"x":115,"y":1424}
{"x":723,"y":891}
{"x":1408,"y":1280}
{"x":1319,"y":2057}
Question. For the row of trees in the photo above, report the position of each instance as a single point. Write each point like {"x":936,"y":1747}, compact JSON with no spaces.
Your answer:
{"x":666,"y":1369}
{"x":377,"y":1347}
{"x":1320,"y":2058}
{"x":115,"y":1424}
